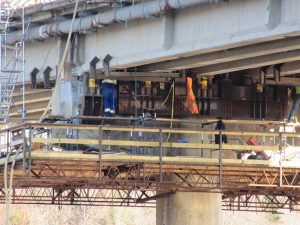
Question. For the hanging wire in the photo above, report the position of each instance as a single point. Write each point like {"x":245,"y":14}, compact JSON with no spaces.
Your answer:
{"x":172,"y":110}
{"x":159,"y":107}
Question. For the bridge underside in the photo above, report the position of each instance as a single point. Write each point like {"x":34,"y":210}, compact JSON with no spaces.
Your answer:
{"x":204,"y":39}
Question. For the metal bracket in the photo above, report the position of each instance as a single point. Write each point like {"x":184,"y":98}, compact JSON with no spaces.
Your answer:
{"x":46,"y":74}
{"x":276,"y":72}
{"x":33,"y":74}
{"x":93,"y":63}
{"x":106,"y":61}
{"x":262,"y":74}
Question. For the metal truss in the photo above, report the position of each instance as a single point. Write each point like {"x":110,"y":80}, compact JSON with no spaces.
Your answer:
{"x":176,"y":177}
{"x":80,"y":196}
{"x":140,"y":184}
{"x":267,"y":202}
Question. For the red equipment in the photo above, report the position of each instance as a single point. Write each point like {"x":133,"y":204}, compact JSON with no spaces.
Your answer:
{"x":259,"y":155}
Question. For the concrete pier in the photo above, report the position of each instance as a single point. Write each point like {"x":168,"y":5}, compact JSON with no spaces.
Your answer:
{"x":191,"y":208}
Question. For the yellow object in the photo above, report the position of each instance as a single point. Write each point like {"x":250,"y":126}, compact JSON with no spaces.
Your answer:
{"x":259,"y":87}
{"x":203,"y":84}
{"x":147,"y":83}
{"x":92,"y":83}
{"x":298,"y":90}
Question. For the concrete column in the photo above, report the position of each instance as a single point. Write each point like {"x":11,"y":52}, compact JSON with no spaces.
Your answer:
{"x":186,"y":207}
{"x":189,"y":209}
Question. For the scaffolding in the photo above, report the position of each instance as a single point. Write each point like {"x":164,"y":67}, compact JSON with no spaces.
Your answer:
{"x":126,"y":179}
{"x":12,"y":63}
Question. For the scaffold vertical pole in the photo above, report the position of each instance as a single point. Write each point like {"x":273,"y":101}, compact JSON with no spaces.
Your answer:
{"x":131,"y":138}
{"x":202,"y":142}
{"x":264,"y":137}
{"x":280,"y":160}
{"x":7,"y":142}
{"x":100,"y":151}
{"x":220,"y":158}
{"x":29,"y":149}
{"x":24,"y":149}
{"x":23,"y":66}
{"x":160,"y":155}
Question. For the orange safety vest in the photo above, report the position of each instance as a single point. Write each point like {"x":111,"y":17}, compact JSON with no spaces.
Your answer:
{"x":190,"y":102}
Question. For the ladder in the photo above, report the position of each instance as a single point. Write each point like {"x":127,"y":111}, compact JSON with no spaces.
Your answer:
{"x":12,"y":59}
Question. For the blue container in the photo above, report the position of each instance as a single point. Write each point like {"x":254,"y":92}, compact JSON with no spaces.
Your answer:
{"x":182,"y":141}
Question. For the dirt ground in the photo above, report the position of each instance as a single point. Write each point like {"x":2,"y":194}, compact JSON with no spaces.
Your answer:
{"x":70,"y":215}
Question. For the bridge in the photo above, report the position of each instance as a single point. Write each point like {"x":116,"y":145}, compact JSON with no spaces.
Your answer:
{"x":57,"y":148}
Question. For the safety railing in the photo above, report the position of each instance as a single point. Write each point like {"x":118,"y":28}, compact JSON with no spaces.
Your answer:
{"x":119,"y":136}
{"x":268,"y":146}
{"x":182,"y":142}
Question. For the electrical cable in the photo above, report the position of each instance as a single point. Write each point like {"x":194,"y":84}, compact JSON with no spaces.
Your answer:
{"x":172,"y":110}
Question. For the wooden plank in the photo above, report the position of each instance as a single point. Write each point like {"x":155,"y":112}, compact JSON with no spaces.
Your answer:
{"x":295,"y":135}
{"x":29,"y":112}
{"x":153,"y":144}
{"x":151,"y":130}
{"x":31,"y":101}
{"x":39,"y":155}
{"x":64,"y":126}
{"x":38,"y":91}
